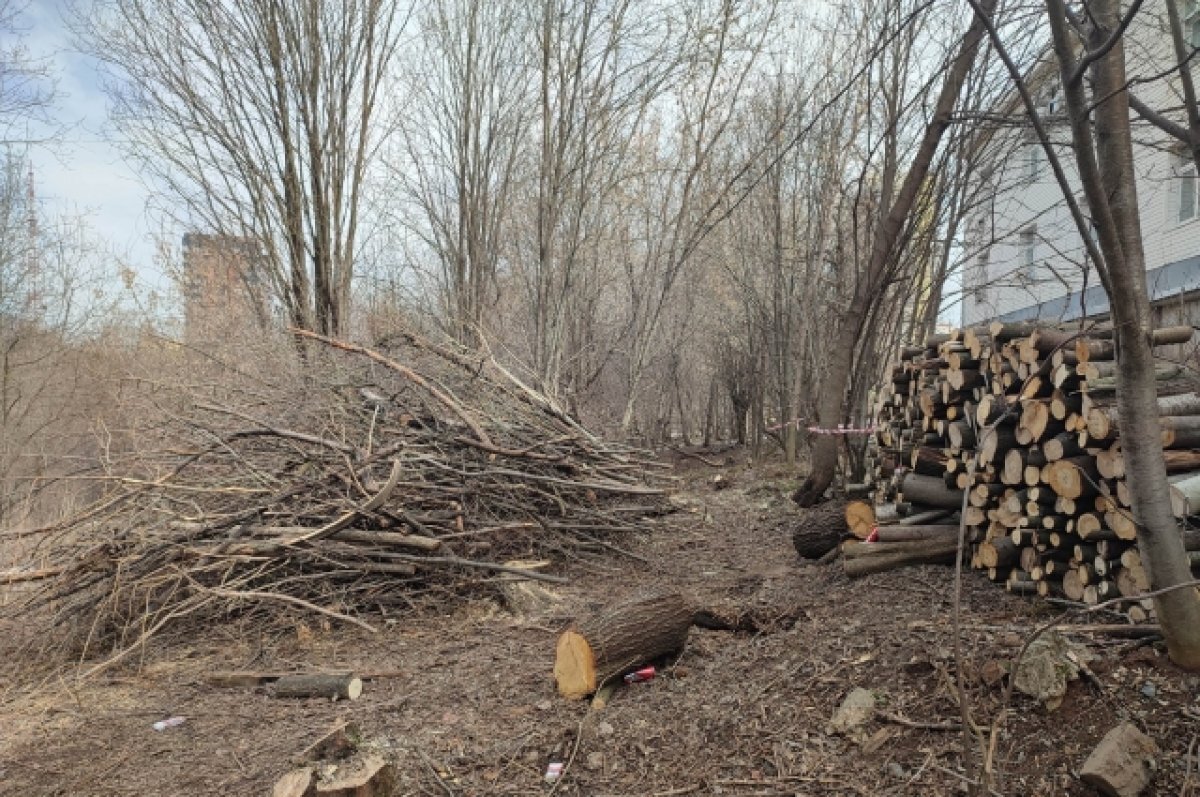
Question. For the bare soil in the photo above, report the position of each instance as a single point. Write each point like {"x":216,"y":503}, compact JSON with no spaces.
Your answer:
{"x":467,"y":705}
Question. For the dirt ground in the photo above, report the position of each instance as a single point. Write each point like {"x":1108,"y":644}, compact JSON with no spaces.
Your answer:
{"x":466,"y":704}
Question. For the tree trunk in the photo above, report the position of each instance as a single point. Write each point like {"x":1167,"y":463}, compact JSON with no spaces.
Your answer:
{"x":871,"y":283}
{"x":1109,"y":182}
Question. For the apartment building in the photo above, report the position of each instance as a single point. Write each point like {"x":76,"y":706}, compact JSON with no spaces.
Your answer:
{"x":1025,"y":256}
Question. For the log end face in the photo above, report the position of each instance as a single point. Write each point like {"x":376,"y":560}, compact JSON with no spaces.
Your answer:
{"x":574,"y":666}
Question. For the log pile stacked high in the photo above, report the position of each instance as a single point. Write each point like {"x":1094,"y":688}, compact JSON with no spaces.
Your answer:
{"x":1020,"y":419}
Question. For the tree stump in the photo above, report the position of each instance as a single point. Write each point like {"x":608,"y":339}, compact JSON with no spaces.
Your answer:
{"x":622,"y":636}
{"x":1121,"y":765}
{"x":819,"y":529}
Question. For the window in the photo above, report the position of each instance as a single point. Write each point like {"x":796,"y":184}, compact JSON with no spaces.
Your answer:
{"x":980,"y":277}
{"x":1185,"y":187}
{"x":1191,"y":22}
{"x":1027,"y":251}
{"x":1033,"y":159}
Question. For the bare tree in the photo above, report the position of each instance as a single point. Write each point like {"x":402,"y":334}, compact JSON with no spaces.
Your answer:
{"x":259,"y":119}
{"x":471,"y":93}
{"x":898,"y":196}
{"x":1103,"y":152}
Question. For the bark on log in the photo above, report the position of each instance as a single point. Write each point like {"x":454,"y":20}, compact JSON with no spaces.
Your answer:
{"x":621,"y":637}
{"x":328,"y":685}
{"x":819,"y":529}
{"x":930,"y":491}
{"x":903,"y":533}
{"x":863,"y":558}
{"x":1098,"y":350}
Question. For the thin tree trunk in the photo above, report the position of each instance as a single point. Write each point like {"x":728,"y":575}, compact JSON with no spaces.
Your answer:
{"x":873,"y":281}
{"x":1159,"y":539}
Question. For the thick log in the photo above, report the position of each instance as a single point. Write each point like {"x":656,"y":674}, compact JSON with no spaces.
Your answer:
{"x":864,"y":558}
{"x":1101,"y":377}
{"x":338,"y":686}
{"x":819,"y":529}
{"x":1000,"y":552}
{"x":997,"y":442}
{"x":621,"y":637}
{"x":930,"y":491}
{"x":1003,"y":332}
{"x":1098,"y":350}
{"x":1062,"y":445}
{"x":1072,"y":478}
{"x":902,"y":533}
{"x":929,"y":461}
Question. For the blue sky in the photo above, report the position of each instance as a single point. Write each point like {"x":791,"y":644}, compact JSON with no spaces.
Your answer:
{"x":82,"y":173}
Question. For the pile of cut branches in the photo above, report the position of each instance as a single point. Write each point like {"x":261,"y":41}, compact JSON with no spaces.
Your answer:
{"x":349,"y":484}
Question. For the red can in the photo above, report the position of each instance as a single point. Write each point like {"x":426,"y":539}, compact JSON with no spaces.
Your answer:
{"x":637,"y":676}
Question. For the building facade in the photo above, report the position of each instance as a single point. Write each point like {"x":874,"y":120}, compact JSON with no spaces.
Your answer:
{"x":222,"y":284}
{"x":1024,"y":255}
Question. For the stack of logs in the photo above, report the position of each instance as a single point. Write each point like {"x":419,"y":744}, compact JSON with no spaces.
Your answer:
{"x":1022,"y":418}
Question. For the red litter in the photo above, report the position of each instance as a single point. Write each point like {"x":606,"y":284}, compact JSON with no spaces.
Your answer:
{"x":637,"y":676}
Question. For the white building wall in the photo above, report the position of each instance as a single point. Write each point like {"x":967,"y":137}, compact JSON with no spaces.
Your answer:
{"x":1061,"y":284}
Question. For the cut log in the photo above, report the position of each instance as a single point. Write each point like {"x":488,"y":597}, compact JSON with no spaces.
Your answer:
{"x":1072,"y":478}
{"x":819,"y":529}
{"x":998,"y":553}
{"x":327,"y":685}
{"x":860,"y":518}
{"x":1185,"y":496}
{"x":1123,"y":764}
{"x":1106,"y":349}
{"x":621,"y":637}
{"x":300,"y":782}
{"x":903,"y":533}
{"x":864,"y":558}
{"x":930,"y":491}
{"x":1062,"y":445}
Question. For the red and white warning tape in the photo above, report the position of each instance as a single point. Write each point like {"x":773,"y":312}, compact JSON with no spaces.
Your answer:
{"x":843,"y":429}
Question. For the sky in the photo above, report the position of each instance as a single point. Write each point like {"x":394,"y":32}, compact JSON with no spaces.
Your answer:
{"x":82,"y":172}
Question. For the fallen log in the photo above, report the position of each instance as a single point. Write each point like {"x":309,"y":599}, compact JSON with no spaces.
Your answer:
{"x":905,"y":533}
{"x":819,"y":529}
{"x":864,"y":558}
{"x":621,"y":637}
{"x":328,"y":685}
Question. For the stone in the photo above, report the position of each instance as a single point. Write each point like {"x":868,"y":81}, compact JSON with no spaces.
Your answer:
{"x":595,"y":761}
{"x":1049,"y":663}
{"x":1122,"y":764}
{"x":855,"y":711}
